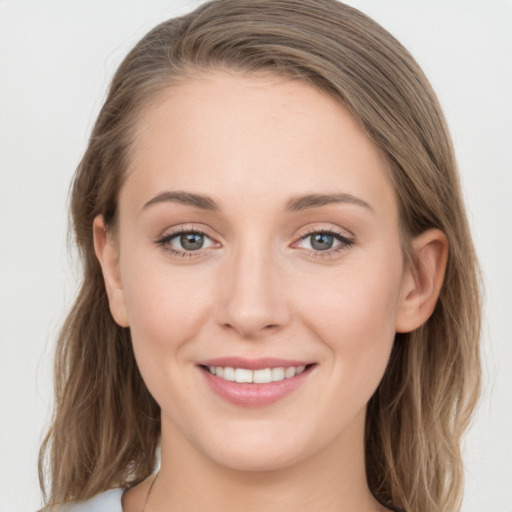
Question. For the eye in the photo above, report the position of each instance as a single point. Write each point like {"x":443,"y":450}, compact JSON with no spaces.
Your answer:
{"x":185,"y":242}
{"x":191,"y":241}
{"x":325,"y":241}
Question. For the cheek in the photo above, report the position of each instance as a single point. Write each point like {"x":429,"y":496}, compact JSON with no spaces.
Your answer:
{"x":355,"y":317}
{"x":164,"y":301}
{"x":357,"y":298}
{"x":163,"y":305}
{"x":166,"y":308}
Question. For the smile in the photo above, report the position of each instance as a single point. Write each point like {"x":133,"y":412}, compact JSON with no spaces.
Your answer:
{"x":255,"y":383}
{"x":263,"y":376}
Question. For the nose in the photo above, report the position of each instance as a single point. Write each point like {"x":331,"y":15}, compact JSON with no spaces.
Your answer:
{"x":253,"y":301}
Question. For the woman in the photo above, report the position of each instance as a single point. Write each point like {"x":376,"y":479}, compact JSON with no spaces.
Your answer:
{"x":279,"y":282}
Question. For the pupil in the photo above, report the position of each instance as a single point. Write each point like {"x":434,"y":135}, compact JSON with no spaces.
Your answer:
{"x":322,"y":241}
{"x":191,"y":241}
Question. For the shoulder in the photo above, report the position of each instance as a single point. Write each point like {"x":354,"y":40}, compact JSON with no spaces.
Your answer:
{"x":109,"y":501}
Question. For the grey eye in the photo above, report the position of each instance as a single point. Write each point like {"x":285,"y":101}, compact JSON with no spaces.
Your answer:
{"x":325,"y":241}
{"x":191,"y":241}
{"x":185,"y":243}
{"x":321,"y":241}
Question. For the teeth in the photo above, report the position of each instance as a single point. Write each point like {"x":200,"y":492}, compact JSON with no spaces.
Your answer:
{"x":242,"y":375}
{"x":263,"y":376}
{"x":277,"y":374}
{"x":229,"y":374}
{"x":289,"y":372}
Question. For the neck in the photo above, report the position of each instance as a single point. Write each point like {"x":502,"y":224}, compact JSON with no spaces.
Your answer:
{"x":331,"y":479}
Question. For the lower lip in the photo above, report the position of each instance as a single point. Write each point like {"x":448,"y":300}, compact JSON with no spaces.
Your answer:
{"x":254,"y":395}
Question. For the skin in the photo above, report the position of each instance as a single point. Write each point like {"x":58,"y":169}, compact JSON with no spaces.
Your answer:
{"x":258,"y":287}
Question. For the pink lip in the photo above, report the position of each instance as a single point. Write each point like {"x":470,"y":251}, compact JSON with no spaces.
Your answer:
{"x":253,"y":364}
{"x":254,"y":395}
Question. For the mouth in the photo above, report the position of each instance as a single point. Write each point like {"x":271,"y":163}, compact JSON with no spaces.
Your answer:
{"x":260,"y":376}
{"x":255,"y":383}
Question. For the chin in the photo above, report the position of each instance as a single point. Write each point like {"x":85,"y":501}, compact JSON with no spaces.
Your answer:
{"x":256,"y":459}
{"x":261,"y":452}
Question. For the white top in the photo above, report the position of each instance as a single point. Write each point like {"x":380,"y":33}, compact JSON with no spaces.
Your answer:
{"x":109,"y":501}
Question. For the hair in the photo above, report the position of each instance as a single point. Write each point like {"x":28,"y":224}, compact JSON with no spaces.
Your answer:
{"x":106,"y":426}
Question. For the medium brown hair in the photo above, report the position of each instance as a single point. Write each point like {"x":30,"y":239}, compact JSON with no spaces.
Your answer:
{"x":106,"y":425}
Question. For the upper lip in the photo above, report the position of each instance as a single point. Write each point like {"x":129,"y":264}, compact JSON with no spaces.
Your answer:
{"x":253,"y":364}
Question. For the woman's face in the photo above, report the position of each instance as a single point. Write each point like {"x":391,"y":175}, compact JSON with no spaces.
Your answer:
{"x":257,"y":230}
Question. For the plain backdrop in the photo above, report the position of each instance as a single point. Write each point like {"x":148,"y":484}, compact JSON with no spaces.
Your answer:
{"x":56,"y":59}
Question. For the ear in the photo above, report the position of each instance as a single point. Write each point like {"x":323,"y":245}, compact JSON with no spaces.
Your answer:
{"x":422,"y":281}
{"x":108,"y":256}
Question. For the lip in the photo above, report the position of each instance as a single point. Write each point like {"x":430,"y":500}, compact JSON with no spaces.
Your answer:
{"x":253,"y":364}
{"x":254,"y":395}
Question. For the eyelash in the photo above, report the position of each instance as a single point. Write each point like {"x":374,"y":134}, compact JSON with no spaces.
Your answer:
{"x":165,"y":240}
{"x":345,"y":242}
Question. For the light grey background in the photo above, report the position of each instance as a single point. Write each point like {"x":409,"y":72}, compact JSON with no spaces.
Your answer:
{"x":56,"y":59}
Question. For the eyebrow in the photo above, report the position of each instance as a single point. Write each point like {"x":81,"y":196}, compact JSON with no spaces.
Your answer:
{"x":300,"y":203}
{"x":294,"y":204}
{"x":187,"y":198}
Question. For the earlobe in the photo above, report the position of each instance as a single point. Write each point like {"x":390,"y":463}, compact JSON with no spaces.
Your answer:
{"x":422,"y":281}
{"x":107,"y":254}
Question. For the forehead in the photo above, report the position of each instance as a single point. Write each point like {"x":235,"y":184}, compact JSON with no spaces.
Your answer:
{"x":252,"y":136}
